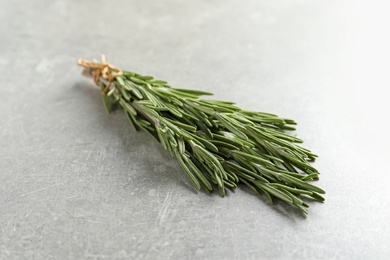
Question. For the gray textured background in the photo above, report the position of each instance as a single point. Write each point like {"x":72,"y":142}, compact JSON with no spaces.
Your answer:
{"x":78,"y":183}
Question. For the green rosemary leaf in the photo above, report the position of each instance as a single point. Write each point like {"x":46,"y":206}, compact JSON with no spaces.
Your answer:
{"x":191,"y":92}
{"x":187,"y":116}
{"x":182,"y":125}
{"x":241,"y":170}
{"x":273,"y":158}
{"x":225,"y":104}
{"x":229,"y":126}
{"x":198,"y":174}
{"x":147,"y":95}
{"x":253,"y":158}
{"x":204,"y":128}
{"x":133,"y":88}
{"x":131,"y":120}
{"x":289,"y":121}
{"x":241,"y":118}
{"x":120,"y":80}
{"x":208,"y":145}
{"x":287,"y":127}
{"x":157,"y":108}
{"x":293,"y":190}
{"x":144,"y":122}
{"x":136,"y":80}
{"x":222,"y":144}
{"x":310,"y":177}
{"x":200,"y":108}
{"x":177,"y":130}
{"x":187,"y":171}
{"x":227,"y":140}
{"x":151,"y":132}
{"x":127,"y":107}
{"x":243,"y":162}
{"x":159,"y":82}
{"x":251,"y":187}
{"x":146,"y":109}
{"x":147,"y":78}
{"x":128,"y":74}
{"x":274,"y":192}
{"x":203,"y":153}
{"x":106,"y":102}
{"x":300,"y":184}
{"x":219,"y":158}
{"x":229,"y":184}
{"x":174,"y":110}
{"x":215,"y":107}
{"x":317,"y":197}
{"x":243,"y":175}
{"x":304,"y":210}
{"x":109,"y":94}
{"x":162,"y":136}
{"x":296,"y":200}
{"x":232,"y":176}
{"x":125,"y":95}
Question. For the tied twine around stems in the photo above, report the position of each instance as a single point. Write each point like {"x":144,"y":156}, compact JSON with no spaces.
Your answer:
{"x":105,"y":70}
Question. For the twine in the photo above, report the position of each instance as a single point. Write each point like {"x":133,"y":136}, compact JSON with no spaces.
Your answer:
{"x":104,"y":70}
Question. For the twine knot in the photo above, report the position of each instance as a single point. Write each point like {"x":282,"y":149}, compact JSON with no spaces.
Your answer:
{"x":104,"y":70}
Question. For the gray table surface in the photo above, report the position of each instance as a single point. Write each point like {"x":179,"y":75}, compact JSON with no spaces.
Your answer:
{"x":78,"y":183}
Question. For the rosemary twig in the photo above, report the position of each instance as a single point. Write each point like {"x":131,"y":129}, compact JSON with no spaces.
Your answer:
{"x":217,"y":144}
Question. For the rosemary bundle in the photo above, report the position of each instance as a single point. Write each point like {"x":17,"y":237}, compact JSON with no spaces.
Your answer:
{"x":216,"y":143}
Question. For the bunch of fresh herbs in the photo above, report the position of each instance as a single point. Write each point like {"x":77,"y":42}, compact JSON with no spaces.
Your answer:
{"x":217,"y":144}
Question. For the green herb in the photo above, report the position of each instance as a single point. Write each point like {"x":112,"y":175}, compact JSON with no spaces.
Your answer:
{"x":217,"y":144}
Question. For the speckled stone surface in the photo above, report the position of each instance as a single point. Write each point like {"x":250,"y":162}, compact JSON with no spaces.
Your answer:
{"x":77,"y":183}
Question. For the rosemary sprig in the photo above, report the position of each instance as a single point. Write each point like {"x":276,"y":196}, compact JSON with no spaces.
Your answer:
{"x":217,"y":144}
